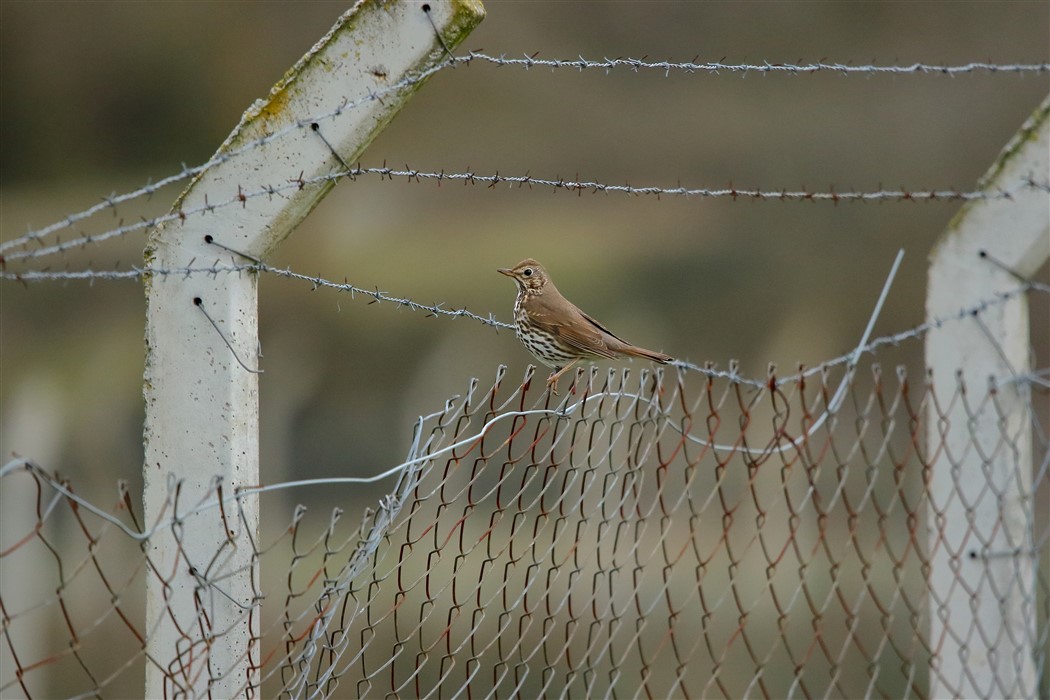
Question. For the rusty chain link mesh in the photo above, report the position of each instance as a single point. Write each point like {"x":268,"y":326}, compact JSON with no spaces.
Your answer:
{"x":643,"y":535}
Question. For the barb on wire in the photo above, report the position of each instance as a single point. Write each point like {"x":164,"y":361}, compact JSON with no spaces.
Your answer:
{"x":766,"y":67}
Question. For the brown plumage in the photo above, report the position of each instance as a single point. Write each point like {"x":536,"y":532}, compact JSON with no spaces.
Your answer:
{"x":556,"y":332}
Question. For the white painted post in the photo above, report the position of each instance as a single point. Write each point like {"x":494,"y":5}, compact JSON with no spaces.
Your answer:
{"x":202,"y":414}
{"x":982,"y":586}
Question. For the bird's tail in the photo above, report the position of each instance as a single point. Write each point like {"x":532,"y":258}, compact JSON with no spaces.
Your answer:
{"x":635,"y":351}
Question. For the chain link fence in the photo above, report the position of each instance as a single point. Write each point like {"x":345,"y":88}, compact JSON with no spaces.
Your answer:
{"x":667,"y":534}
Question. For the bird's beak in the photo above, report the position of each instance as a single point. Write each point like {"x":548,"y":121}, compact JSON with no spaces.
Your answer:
{"x":505,"y":271}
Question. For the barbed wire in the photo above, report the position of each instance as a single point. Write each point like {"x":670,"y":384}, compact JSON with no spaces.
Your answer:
{"x":136,"y":273}
{"x":801,"y":195}
{"x":470,"y":177}
{"x":378,"y":296}
{"x":528,"y":62}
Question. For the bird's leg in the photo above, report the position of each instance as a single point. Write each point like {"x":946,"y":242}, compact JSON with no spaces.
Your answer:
{"x":552,"y":381}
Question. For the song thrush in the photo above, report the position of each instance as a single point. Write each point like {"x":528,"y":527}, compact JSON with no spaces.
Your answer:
{"x":556,"y":332}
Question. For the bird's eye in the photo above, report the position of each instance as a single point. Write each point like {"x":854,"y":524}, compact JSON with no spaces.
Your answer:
{"x":527,"y":272}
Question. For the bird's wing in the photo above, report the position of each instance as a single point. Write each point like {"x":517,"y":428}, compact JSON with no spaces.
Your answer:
{"x":602,"y":328}
{"x":586,"y":334}
{"x":616,"y":344}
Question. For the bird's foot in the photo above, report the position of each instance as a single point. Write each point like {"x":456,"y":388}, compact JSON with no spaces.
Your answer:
{"x":552,"y":382}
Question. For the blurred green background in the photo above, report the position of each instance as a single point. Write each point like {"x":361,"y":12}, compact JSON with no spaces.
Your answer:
{"x":102,"y":97}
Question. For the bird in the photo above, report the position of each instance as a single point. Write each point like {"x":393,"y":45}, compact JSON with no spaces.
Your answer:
{"x":556,"y":331}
